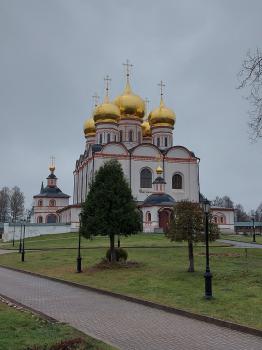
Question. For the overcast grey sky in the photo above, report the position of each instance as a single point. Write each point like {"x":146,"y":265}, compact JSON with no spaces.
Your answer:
{"x":55,"y":54}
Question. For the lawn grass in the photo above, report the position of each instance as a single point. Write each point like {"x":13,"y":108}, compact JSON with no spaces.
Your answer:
{"x":70,"y":240}
{"x":162,"y":277}
{"x":23,"y":330}
{"x":242,"y":238}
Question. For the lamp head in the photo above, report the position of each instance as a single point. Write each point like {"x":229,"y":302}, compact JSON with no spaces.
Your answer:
{"x":206,"y":205}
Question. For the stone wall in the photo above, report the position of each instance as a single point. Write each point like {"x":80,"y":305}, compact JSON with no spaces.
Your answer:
{"x":32,"y":230}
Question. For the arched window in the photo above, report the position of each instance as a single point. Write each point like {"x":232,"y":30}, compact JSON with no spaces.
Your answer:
{"x":148,"y":216}
{"x":101,"y":138}
{"x":39,"y":219}
{"x":165,"y":141}
{"x":40,"y":203}
{"x":52,"y":203}
{"x":146,"y":178}
{"x":222,"y":221}
{"x":215,"y":219}
{"x":130,"y":135}
{"x":158,"y":142}
{"x":121,"y":135}
{"x":177,"y":182}
{"x":108,"y":138}
{"x":115,"y":138}
{"x":51,"y":219}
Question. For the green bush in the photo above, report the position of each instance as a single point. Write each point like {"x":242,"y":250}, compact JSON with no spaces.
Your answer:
{"x":121,"y":254}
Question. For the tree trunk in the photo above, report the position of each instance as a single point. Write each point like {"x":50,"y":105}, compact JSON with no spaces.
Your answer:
{"x":191,"y":257}
{"x":112,"y":248}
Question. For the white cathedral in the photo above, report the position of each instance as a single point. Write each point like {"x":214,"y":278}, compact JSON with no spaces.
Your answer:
{"x":158,"y":172}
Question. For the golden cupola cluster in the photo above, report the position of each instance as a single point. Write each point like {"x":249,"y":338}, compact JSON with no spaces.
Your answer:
{"x":129,"y":104}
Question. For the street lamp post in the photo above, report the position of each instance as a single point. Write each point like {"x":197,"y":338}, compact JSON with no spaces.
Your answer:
{"x":79,"y":258}
{"x":23,"y":244}
{"x":254,"y":229}
{"x":208,"y":274}
{"x":20,"y":240}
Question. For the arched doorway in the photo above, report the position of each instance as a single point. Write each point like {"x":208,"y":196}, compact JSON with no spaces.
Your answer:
{"x":164,"y":218}
{"x":51,"y":219}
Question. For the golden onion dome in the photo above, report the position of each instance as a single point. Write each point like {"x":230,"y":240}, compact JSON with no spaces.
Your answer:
{"x":107,"y":112}
{"x":89,"y":127}
{"x":130,"y":105}
{"x":162,"y":116}
{"x":159,"y":170}
{"x":146,"y":129}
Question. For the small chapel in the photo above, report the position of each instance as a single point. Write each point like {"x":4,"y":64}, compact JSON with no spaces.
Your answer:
{"x":49,"y":200}
{"x":158,"y":171}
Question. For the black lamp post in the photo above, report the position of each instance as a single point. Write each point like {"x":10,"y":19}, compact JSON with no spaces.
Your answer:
{"x":79,"y":258}
{"x":254,"y":229}
{"x":20,"y":240}
{"x":208,"y":274}
{"x":23,"y":244}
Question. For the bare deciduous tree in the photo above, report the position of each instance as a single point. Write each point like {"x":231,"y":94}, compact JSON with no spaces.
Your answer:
{"x":223,"y":202}
{"x":4,"y":204}
{"x":17,"y":200}
{"x":251,"y":78}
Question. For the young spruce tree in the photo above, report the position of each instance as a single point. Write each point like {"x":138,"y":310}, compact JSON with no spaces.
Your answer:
{"x":109,"y":208}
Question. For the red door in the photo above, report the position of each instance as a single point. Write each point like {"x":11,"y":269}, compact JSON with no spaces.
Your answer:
{"x":164,"y":219}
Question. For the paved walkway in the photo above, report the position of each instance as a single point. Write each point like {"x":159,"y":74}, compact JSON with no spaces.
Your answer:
{"x":2,"y":251}
{"x":241,"y":244}
{"x":127,"y":325}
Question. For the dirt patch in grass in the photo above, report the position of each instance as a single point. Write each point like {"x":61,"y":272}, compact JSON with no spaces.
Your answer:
{"x":107,"y":265}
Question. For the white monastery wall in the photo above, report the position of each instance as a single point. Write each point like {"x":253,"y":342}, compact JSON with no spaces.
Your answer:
{"x":33,"y":230}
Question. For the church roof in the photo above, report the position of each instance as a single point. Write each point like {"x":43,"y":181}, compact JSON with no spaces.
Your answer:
{"x":52,"y":192}
{"x":157,"y":199}
{"x":51,"y":176}
{"x":159,"y":180}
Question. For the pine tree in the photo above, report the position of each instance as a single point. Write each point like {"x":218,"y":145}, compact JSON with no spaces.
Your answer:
{"x":109,"y":208}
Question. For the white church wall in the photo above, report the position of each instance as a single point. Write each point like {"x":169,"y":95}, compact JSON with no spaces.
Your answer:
{"x":114,"y":148}
{"x":178,"y":152}
{"x":146,"y":150}
{"x":224,"y":217}
{"x":189,"y":172}
{"x":153,"y":225}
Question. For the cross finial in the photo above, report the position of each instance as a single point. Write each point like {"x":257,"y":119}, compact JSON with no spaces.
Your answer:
{"x":147,"y":104}
{"x":107,"y":82}
{"x":95,"y":99}
{"x":52,"y":160}
{"x":162,"y":85}
{"x":127,"y":65}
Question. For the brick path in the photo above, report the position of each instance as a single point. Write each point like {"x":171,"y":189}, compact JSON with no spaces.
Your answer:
{"x":127,"y":325}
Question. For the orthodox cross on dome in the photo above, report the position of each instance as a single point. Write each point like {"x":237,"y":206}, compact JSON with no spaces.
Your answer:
{"x":147,"y":105}
{"x":107,"y":82}
{"x":127,"y":65}
{"x":52,"y":164}
{"x":95,"y":99}
{"x":52,"y":160}
{"x":162,"y":85}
